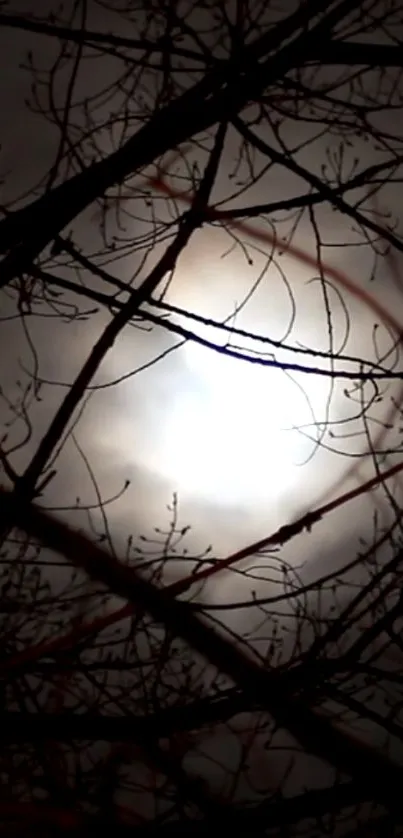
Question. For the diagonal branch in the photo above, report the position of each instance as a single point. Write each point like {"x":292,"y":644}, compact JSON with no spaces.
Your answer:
{"x":90,"y":37}
{"x":327,"y":192}
{"x":309,"y":199}
{"x":350,"y":53}
{"x":28,"y":656}
{"x":316,"y":733}
{"x":353,"y":54}
{"x":221,"y":93}
{"x":187,"y":224}
{"x":32,"y":727}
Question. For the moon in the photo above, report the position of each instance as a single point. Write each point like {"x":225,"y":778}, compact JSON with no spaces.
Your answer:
{"x":233,"y":430}
{"x":245,"y":435}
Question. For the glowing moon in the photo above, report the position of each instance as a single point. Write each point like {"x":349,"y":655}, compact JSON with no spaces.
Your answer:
{"x":240,"y":434}
{"x":231,"y":432}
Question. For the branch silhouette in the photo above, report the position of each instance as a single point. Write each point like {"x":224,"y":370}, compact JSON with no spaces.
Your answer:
{"x":311,"y":728}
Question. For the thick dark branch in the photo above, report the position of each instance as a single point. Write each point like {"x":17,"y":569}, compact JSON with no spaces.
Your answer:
{"x":25,"y":487}
{"x":316,"y":733}
{"x":347,"y":53}
{"x":374,"y":371}
{"x":91,"y":37}
{"x":323,"y":189}
{"x":221,"y":93}
{"x":310,"y":199}
{"x":64,"y":727}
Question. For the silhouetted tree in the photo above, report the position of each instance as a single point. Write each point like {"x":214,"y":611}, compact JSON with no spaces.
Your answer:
{"x":129,"y":699}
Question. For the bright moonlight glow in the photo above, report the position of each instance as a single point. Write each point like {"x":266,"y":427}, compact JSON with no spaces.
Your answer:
{"x":227,"y":432}
{"x":231,"y":431}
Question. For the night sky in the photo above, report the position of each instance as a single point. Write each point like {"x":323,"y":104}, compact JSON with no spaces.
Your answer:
{"x":245,"y":447}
